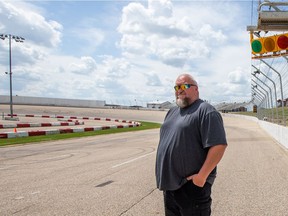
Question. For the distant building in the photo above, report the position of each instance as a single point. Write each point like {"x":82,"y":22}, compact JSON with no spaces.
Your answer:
{"x":159,"y":105}
{"x":285,"y":102}
{"x":234,"y":107}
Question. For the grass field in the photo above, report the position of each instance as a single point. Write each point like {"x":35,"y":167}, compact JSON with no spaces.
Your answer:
{"x":268,"y":112}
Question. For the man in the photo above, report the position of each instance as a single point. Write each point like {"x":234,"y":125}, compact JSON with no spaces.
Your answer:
{"x":192,"y":142}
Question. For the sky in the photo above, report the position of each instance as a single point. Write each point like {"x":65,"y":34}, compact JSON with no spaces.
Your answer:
{"x":127,"y":52}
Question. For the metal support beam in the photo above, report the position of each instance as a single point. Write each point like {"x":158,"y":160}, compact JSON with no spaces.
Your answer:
{"x":270,"y":93}
{"x":257,"y":84}
{"x":281,"y":89}
{"x":260,"y":72}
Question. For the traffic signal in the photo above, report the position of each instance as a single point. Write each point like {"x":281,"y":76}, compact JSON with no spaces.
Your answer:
{"x":272,"y":44}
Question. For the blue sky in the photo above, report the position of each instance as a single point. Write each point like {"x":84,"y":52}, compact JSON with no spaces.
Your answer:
{"x":127,"y":52}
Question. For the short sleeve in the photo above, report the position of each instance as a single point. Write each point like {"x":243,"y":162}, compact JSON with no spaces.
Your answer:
{"x":212,"y":130}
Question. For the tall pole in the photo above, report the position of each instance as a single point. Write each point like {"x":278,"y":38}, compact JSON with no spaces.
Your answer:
{"x":17,"y":39}
{"x":10,"y":77}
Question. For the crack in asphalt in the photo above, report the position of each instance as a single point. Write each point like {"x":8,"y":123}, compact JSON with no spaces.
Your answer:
{"x":122,"y":213}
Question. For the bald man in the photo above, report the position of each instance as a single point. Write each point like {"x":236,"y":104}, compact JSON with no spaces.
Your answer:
{"x":192,"y":143}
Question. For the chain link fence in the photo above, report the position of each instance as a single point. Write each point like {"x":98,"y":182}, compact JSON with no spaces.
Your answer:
{"x":269,"y":87}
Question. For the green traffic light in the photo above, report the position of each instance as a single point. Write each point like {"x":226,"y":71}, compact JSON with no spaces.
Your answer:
{"x":256,"y":46}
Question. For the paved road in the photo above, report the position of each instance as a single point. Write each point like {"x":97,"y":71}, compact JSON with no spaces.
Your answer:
{"x":114,"y":174}
{"x":253,"y":175}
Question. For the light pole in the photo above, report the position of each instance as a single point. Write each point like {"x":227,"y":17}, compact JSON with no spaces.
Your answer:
{"x":16,"y":39}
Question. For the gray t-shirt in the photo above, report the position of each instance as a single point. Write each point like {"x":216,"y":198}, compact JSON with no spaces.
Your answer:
{"x":185,"y":138}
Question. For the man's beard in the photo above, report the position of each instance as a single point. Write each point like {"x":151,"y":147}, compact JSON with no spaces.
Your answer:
{"x":182,"y":103}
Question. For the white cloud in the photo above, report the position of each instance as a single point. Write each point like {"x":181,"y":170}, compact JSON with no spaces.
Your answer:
{"x":163,"y":36}
{"x":22,"y":19}
{"x":156,"y":42}
{"x":41,"y":35}
{"x":237,"y":77}
{"x":86,"y":66}
{"x":160,"y":8}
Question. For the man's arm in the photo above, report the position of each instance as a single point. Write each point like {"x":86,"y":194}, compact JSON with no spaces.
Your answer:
{"x":214,"y":156}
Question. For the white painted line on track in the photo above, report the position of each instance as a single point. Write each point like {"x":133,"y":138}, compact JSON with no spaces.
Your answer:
{"x":134,"y":159}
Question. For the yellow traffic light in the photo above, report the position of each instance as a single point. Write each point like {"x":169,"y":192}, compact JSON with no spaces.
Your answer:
{"x":272,"y":44}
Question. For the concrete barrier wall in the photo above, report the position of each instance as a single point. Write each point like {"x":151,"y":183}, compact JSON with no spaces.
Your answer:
{"x":278,"y":132}
{"x":23,"y":100}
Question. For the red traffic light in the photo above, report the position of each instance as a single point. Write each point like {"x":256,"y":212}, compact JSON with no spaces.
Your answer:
{"x":282,"y":42}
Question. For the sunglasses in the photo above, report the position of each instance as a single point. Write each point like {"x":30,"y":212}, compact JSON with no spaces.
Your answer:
{"x":183,"y":86}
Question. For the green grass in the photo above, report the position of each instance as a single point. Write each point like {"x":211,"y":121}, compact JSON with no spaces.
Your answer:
{"x":267,"y":112}
{"x":34,"y":139}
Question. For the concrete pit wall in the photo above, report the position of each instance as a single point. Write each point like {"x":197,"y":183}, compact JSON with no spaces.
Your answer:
{"x":278,"y":132}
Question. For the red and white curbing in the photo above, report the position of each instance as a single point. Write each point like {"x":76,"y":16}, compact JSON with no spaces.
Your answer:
{"x":71,"y":117}
{"x":51,"y":124}
{"x":67,"y":130}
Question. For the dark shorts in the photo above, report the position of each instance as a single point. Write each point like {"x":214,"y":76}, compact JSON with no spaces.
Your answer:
{"x":189,"y":200}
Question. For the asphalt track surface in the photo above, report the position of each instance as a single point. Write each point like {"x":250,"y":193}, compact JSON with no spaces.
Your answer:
{"x":114,"y":174}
